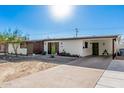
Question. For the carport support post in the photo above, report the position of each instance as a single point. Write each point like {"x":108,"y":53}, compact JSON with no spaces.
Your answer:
{"x":113,"y":48}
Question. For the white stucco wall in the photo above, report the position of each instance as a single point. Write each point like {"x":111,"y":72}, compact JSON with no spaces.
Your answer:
{"x":87,"y":51}
{"x":70,"y":46}
{"x":107,"y":45}
{"x":19,"y":50}
{"x":104,"y":44}
{"x":76,"y":46}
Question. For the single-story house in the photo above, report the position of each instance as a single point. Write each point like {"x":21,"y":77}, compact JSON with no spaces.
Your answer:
{"x":84,"y":46}
{"x":81,"y":46}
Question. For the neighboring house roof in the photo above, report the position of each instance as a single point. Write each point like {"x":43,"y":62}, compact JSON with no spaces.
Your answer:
{"x":85,"y":37}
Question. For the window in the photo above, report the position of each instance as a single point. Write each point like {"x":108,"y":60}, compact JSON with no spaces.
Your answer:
{"x":86,"y":44}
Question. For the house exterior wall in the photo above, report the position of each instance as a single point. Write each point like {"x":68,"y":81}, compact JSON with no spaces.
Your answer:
{"x":72,"y":47}
{"x":19,"y":50}
{"x":103,"y":44}
{"x":77,"y":46}
{"x":69,"y":46}
{"x":87,"y":51}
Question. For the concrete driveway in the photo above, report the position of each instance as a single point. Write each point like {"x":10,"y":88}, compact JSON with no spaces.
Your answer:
{"x":83,"y":72}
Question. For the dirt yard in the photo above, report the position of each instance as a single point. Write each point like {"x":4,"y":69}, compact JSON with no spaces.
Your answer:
{"x":10,"y":71}
{"x":15,"y":69}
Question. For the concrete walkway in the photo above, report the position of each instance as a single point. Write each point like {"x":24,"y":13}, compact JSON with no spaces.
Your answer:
{"x":83,"y":72}
{"x":113,"y":77}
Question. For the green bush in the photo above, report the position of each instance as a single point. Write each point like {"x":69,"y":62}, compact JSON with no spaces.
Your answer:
{"x":53,"y":51}
{"x":44,"y":53}
{"x":67,"y":54}
{"x":52,"y":56}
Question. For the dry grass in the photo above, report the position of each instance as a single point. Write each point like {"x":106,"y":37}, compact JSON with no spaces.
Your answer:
{"x":10,"y":70}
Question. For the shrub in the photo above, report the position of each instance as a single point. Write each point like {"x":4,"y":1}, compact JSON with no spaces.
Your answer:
{"x":52,"y":56}
{"x":67,"y":54}
{"x":43,"y":53}
{"x":53,"y":51}
{"x":64,"y":54}
{"x":75,"y":55}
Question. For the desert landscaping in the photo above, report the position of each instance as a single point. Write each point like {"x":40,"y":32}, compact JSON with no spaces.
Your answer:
{"x":16,"y":68}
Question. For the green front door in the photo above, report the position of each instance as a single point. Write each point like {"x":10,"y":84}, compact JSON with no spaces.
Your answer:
{"x":53,"y":44}
{"x":95,"y":48}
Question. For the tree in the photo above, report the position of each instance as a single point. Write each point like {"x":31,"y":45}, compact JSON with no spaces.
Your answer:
{"x":14,"y":37}
{"x":3,"y":40}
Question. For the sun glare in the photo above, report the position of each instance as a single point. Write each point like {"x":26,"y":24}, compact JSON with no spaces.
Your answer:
{"x":61,"y":11}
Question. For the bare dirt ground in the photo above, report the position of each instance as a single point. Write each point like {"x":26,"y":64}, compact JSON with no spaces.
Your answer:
{"x":22,"y":66}
{"x":81,"y":73}
{"x":119,"y":58}
{"x":10,"y":71}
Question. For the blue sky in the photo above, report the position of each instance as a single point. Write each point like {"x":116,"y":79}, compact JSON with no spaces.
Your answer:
{"x":38,"y":22}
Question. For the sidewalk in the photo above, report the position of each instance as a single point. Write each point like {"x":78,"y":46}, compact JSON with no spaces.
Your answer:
{"x":113,"y":77}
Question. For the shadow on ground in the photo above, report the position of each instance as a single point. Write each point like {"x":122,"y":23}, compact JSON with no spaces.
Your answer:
{"x":96,"y":62}
{"x":39,"y":58}
{"x":116,"y":65}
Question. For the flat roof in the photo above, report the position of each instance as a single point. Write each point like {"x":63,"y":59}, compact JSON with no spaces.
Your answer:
{"x":33,"y":40}
{"x":84,"y":37}
{"x":74,"y":38}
